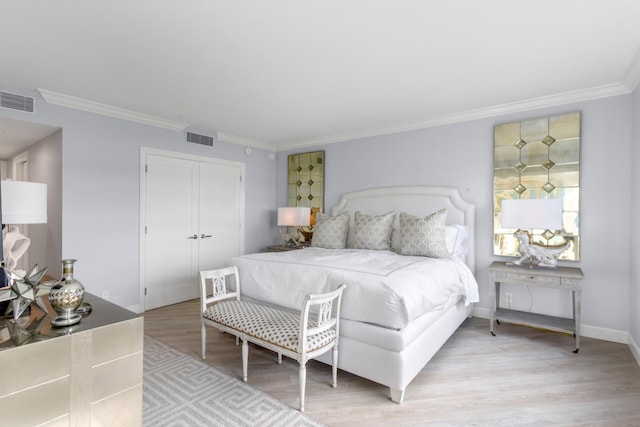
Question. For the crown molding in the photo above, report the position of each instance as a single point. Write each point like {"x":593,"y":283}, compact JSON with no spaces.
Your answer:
{"x":240,"y":140}
{"x":108,"y":110}
{"x":631,"y":80}
{"x":632,"y":76}
{"x":470,"y":115}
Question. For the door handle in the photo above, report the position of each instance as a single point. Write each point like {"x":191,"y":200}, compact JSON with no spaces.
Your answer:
{"x":204,"y":236}
{"x":195,"y":236}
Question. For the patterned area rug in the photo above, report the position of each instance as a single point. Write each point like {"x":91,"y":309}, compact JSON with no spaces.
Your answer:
{"x":180,"y":390}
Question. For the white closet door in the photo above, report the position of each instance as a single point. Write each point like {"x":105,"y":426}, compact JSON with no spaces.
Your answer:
{"x":220,"y":213}
{"x":171,"y":239}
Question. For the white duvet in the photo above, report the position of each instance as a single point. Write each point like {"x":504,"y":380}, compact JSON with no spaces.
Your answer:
{"x":383,"y":288}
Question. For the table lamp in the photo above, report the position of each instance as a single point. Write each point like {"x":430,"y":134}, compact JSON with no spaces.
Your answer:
{"x":293,"y":217}
{"x":534,"y":214}
{"x":22,"y":203}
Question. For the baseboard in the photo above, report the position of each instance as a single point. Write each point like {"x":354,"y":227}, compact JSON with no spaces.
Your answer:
{"x":613,"y":335}
{"x":635,"y":349}
{"x":135,"y":308}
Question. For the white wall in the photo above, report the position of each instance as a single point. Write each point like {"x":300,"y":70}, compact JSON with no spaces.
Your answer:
{"x":45,"y":165}
{"x":634,"y":294}
{"x":100,"y":191}
{"x":461,"y":155}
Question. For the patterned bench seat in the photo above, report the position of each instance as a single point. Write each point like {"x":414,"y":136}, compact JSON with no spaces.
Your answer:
{"x":278,"y":330}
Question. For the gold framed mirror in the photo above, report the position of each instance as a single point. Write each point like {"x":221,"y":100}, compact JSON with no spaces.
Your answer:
{"x":538,"y":159}
{"x":305,"y":182}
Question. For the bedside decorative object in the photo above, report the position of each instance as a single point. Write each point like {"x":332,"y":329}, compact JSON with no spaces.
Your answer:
{"x":292,"y":217}
{"x":561,"y":278}
{"x":307,"y":232}
{"x":66,"y":296}
{"x":539,"y":214}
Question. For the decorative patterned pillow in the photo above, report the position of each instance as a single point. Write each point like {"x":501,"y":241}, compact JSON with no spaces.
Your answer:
{"x":424,"y":236}
{"x":372,"y":232}
{"x":330,"y":232}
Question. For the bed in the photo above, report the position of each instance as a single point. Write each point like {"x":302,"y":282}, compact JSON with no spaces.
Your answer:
{"x":399,"y":306}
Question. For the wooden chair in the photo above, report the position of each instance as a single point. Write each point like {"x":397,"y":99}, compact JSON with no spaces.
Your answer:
{"x":302,"y":336}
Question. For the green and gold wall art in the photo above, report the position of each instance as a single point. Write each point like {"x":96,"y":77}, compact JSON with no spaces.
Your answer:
{"x":538,"y":159}
{"x":305,"y":182}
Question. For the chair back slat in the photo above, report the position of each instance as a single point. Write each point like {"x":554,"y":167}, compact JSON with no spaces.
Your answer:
{"x":326,"y":317}
{"x":215,"y":285}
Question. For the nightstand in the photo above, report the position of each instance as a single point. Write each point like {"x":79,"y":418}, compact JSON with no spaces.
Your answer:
{"x":283,"y":248}
{"x":568,"y":278}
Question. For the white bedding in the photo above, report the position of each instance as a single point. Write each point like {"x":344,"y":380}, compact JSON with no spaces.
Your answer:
{"x":383,"y":288}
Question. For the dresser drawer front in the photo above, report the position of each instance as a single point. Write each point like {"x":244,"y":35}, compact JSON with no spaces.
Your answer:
{"x":524,"y":278}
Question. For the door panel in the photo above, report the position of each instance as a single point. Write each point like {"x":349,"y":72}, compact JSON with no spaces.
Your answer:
{"x":183,"y":198}
{"x":219,"y":214}
{"x":171,"y":218}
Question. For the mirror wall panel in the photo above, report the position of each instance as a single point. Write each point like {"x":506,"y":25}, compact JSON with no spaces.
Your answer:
{"x":538,"y":159}
{"x":305,"y":180}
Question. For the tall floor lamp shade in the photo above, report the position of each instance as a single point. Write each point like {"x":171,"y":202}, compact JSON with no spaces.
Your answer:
{"x":21,"y":202}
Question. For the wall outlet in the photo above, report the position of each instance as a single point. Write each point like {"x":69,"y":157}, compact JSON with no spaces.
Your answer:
{"x":508,"y":298}
{"x":105,"y":295}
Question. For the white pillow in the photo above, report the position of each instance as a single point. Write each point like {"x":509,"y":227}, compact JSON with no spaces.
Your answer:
{"x":424,"y":236}
{"x":330,"y":232}
{"x":372,"y":232}
{"x":457,"y":240}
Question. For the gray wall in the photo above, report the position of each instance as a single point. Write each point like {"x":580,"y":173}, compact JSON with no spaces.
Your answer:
{"x":634,"y":297}
{"x":100,"y":191}
{"x":45,"y":165}
{"x":461,"y":155}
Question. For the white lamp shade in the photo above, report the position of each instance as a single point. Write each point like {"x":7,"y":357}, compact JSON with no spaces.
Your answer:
{"x":540,"y":214}
{"x":294,"y":217}
{"x":23,"y":202}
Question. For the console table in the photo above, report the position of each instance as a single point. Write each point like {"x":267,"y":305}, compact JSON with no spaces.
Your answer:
{"x":568,"y":278}
{"x":87,"y":374}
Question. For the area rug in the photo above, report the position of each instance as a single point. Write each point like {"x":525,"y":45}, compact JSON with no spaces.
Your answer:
{"x":180,"y":390}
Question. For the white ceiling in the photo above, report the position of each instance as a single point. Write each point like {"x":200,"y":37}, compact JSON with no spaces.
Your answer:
{"x":292,"y":73}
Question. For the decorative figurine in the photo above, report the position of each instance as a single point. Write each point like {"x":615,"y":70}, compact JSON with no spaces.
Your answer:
{"x":545,"y":255}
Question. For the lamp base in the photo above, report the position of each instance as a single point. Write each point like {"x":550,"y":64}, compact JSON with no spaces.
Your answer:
{"x":545,"y":256}
{"x":15,"y":244}
{"x":291,"y":239}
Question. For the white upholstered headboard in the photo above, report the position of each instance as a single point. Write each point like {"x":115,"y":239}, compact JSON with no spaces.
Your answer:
{"x":415,"y":200}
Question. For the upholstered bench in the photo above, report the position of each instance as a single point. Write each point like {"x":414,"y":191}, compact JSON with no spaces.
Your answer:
{"x":293,"y":334}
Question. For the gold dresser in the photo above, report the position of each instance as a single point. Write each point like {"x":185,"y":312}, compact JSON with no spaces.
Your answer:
{"x":88,"y":374}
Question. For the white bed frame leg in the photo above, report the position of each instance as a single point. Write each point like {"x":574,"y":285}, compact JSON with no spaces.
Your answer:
{"x":397,"y":395}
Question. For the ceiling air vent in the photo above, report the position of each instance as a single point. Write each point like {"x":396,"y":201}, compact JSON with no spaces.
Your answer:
{"x":200,"y":139}
{"x":16,"y":102}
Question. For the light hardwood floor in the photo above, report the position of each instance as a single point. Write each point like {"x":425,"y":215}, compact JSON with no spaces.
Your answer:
{"x":522,"y":376}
